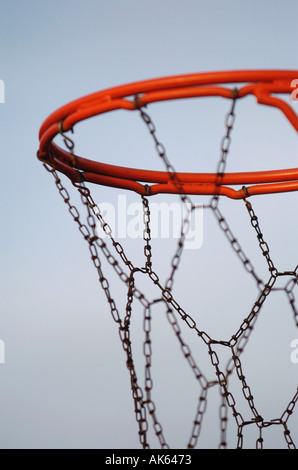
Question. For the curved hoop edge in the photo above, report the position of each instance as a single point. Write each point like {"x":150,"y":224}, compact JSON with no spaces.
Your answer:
{"x":259,"y":83}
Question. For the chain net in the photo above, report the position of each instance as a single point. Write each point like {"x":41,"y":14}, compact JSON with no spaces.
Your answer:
{"x":145,"y":409}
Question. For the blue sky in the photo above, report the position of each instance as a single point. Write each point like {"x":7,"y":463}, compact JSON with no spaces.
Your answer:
{"x":64,"y":383}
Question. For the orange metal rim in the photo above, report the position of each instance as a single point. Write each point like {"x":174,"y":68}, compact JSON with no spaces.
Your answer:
{"x":263,"y":84}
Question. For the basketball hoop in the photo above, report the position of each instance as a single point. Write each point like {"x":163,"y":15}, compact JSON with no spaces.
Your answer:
{"x":262,"y":84}
{"x":265,"y":85}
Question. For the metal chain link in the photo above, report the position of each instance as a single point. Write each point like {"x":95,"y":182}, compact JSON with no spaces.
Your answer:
{"x":188,"y":205}
{"x":223,"y":417}
{"x":284,"y":419}
{"x":124,"y":333}
{"x":147,"y":234}
{"x":148,"y":378}
{"x":235,"y":244}
{"x":289,"y":292}
{"x":223,"y":224}
{"x":225,"y":148}
{"x":263,"y":245}
{"x":138,"y":396}
{"x":241,"y":337}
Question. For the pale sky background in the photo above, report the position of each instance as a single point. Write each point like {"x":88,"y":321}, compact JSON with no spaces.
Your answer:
{"x":64,"y":383}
